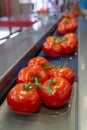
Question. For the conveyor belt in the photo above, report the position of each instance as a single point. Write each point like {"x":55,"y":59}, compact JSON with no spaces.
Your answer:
{"x":64,"y":118}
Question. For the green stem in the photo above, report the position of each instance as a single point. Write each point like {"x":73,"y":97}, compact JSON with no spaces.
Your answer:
{"x":60,"y":40}
{"x":63,"y":40}
{"x":51,"y":82}
{"x":39,"y":85}
{"x":46,"y":67}
{"x":59,"y":66}
{"x":56,"y":38}
{"x":31,"y":85}
{"x":53,"y":67}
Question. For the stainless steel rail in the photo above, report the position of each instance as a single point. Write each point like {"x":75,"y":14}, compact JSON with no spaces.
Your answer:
{"x":82,"y":87}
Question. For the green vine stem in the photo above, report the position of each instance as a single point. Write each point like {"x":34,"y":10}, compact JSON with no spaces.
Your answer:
{"x":63,"y":40}
{"x":59,"y":66}
{"x":51,"y":82}
{"x":35,"y":80}
{"x":59,"y":40}
{"x":46,"y":67}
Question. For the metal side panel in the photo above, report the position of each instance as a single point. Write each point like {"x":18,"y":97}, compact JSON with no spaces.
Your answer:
{"x":82,"y":76}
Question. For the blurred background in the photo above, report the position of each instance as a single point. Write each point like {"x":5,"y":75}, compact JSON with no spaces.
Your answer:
{"x":26,"y":6}
{"x":16,"y":14}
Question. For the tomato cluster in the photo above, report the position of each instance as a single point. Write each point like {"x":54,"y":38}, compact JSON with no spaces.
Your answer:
{"x":68,"y":22}
{"x":66,"y":25}
{"x":40,"y":82}
{"x":55,"y":46}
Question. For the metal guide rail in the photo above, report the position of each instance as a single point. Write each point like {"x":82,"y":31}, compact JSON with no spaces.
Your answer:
{"x":64,"y":118}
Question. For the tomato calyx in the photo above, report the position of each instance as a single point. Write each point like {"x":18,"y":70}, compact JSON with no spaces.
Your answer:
{"x":68,"y":21}
{"x":51,"y":82}
{"x":46,"y":67}
{"x":59,"y":66}
{"x":59,"y":40}
{"x":56,"y":38}
{"x":63,"y":40}
{"x":30,"y":86}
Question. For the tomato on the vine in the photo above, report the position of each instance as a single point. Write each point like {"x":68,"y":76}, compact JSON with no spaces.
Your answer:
{"x":64,"y":72}
{"x":27,"y":73}
{"x":22,"y":100}
{"x":70,"y":45}
{"x":67,"y":25}
{"x":51,"y":47}
{"x":62,"y":91}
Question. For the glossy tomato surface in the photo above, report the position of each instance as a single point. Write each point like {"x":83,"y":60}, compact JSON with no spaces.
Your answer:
{"x":72,"y":26}
{"x":61,"y":29}
{"x":52,"y":47}
{"x":23,"y":101}
{"x":67,"y":25}
{"x":70,"y":45}
{"x":64,"y":72}
{"x":40,"y":61}
{"x":61,"y":93}
{"x":26,"y":74}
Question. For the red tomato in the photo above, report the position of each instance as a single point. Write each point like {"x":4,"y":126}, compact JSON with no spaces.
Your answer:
{"x":52,"y":48}
{"x":71,"y":26}
{"x":40,"y":61}
{"x":61,"y":92}
{"x":23,"y":101}
{"x":74,"y":24}
{"x":61,"y":29}
{"x":50,"y":39}
{"x":70,"y":45}
{"x":65,"y":72}
{"x":26,"y":74}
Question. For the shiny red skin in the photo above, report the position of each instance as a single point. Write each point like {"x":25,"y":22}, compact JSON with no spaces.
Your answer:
{"x":51,"y":49}
{"x":72,"y":26}
{"x":65,"y":72}
{"x":61,"y":29}
{"x":39,"y":61}
{"x":67,"y":25}
{"x":62,"y":93}
{"x":26,"y":74}
{"x":23,"y":101}
{"x":69,"y":46}
{"x":50,"y":39}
